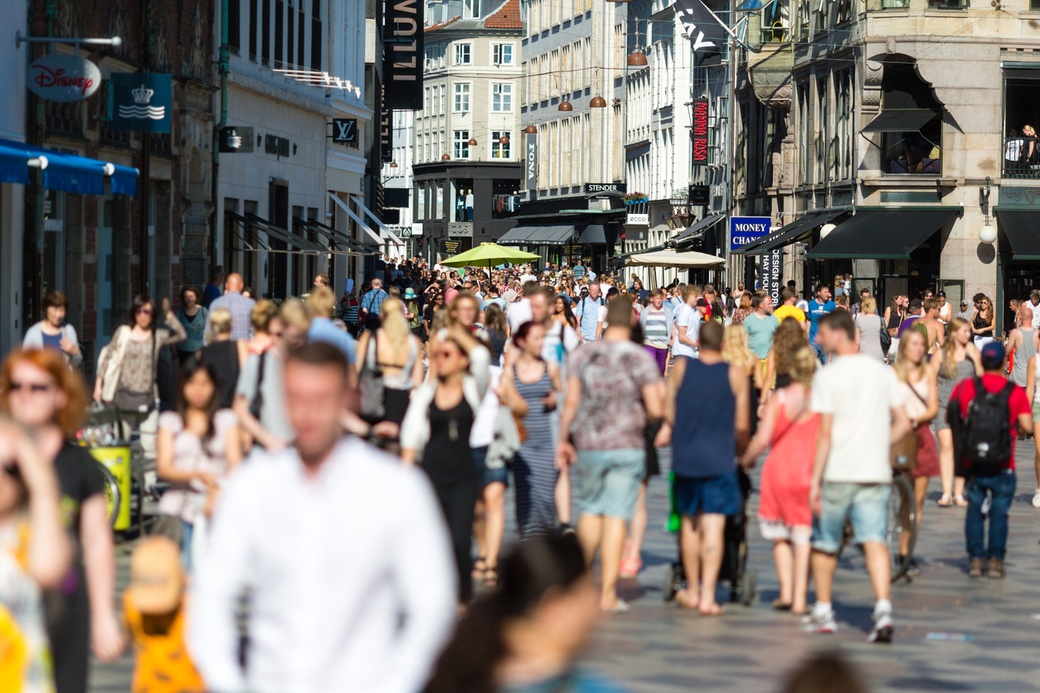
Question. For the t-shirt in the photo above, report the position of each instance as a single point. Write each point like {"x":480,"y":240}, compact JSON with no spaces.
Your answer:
{"x":860,"y":392}
{"x":611,"y":414}
{"x":322,"y":330}
{"x":907,"y":324}
{"x":560,"y":340}
{"x":273,"y":416}
{"x":687,"y":322}
{"x":191,"y":454}
{"x":760,"y":333}
{"x":785,"y":311}
{"x":655,"y":331}
{"x":816,"y":311}
{"x":518,"y":313}
{"x":587,"y":310}
{"x":964,"y":393}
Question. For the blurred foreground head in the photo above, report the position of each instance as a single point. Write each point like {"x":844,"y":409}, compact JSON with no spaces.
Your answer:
{"x":825,"y":672}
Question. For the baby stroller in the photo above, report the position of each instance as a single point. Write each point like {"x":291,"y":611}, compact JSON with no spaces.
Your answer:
{"x":743,"y":582}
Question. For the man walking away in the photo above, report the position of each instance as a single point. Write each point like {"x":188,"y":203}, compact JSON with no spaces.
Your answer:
{"x":704,"y":453}
{"x":240,"y":307}
{"x":612,"y":390}
{"x":213,"y":290}
{"x":348,"y":593}
{"x":372,"y":305}
{"x":985,"y":413}
{"x":861,"y":411}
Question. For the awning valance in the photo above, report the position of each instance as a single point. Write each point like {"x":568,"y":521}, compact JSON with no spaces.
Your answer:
{"x":538,"y":235}
{"x":883,"y":234}
{"x":593,"y":234}
{"x":1021,"y":227}
{"x":901,"y":120}
{"x":795,"y":232}
{"x":61,"y":171}
{"x":294,"y":243}
{"x":696,"y":230}
{"x":338,"y":241}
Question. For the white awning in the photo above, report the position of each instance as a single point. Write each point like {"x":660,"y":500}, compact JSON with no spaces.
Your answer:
{"x":360,"y":222}
{"x":383,"y":228}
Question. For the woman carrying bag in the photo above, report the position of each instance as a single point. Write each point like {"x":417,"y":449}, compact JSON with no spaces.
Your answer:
{"x":127,"y":367}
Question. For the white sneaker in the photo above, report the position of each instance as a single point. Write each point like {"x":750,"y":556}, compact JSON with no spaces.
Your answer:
{"x":1036,"y":499}
{"x":882,"y":630}
{"x":819,"y":623}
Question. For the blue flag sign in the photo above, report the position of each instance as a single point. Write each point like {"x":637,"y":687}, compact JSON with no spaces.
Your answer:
{"x":142,"y":102}
{"x":746,"y":230}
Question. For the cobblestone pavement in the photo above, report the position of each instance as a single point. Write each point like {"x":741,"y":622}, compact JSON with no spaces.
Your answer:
{"x":952,"y":634}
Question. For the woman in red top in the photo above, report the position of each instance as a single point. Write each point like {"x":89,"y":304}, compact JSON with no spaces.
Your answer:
{"x":788,"y":428}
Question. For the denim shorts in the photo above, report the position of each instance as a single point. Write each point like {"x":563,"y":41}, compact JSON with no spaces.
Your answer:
{"x":610,"y":481}
{"x":712,"y":495}
{"x":865,"y":504}
{"x":488,"y":476}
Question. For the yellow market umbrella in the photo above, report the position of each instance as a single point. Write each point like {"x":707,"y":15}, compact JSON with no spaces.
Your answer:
{"x":489,"y":255}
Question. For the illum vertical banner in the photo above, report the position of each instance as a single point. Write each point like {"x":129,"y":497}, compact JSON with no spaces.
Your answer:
{"x":403,"y":54}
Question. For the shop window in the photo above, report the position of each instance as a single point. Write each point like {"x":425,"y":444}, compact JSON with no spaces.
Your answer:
{"x":462,"y":199}
{"x":1021,"y":151}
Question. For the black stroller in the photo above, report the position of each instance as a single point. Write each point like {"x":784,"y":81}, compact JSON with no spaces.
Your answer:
{"x":743,"y":582}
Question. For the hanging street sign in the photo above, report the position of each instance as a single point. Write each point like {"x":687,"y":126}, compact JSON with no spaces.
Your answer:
{"x":142,"y":102}
{"x":63,"y":78}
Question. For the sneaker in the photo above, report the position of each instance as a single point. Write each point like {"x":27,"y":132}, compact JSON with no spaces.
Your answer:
{"x":819,"y":623}
{"x":976,"y":568}
{"x":882,"y":630}
{"x":1036,"y":499}
{"x":995,"y":569}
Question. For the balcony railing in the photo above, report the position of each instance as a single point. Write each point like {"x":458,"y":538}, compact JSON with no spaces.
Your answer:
{"x":1021,"y":158}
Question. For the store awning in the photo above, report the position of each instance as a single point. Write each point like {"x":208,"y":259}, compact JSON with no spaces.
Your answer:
{"x":384,"y":230}
{"x":294,"y":244}
{"x":593,"y":234}
{"x":1022,"y":229}
{"x":901,"y":120}
{"x":61,"y":171}
{"x":696,"y":230}
{"x":358,"y":220}
{"x":883,"y":234}
{"x":795,"y":232}
{"x":339,"y":242}
{"x":537,"y":235}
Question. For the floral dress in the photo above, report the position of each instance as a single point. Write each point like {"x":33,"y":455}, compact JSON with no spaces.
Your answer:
{"x":25,"y":659}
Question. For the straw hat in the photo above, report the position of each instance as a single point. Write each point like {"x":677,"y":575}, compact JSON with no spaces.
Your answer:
{"x":156,"y":576}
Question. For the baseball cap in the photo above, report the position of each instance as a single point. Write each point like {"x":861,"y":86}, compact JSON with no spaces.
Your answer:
{"x":156,"y":576}
{"x":702,"y":302}
{"x":993,"y":355}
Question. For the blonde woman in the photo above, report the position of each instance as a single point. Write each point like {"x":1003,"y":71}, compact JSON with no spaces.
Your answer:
{"x":737,"y":352}
{"x":960,"y":360}
{"x":395,"y":352}
{"x":786,"y":340}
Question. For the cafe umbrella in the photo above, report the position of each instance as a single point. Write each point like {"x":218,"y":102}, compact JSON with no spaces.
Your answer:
{"x":489,"y":255}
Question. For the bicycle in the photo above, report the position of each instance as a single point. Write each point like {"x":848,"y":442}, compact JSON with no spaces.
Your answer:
{"x":113,"y":496}
{"x":901,"y":533}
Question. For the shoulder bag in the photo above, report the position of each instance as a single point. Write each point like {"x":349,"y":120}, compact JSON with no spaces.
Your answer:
{"x":886,"y":338}
{"x":370,"y":383}
{"x":903,"y":456}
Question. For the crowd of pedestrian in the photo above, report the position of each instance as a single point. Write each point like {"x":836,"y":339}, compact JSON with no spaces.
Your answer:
{"x":333,"y":473}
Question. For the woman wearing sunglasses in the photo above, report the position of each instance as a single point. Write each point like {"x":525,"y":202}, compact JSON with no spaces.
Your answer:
{"x":42,"y":394}
{"x":127,"y":366}
{"x":439,"y":421}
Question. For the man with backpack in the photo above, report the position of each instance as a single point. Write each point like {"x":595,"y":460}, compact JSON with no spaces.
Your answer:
{"x":985,"y":415}
{"x":372,"y":305}
{"x":588,"y":312}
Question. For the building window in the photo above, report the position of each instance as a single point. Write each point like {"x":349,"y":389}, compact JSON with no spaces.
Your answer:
{"x":254,"y":27}
{"x":502,"y":97}
{"x":463,"y":53}
{"x":1021,"y":154}
{"x":317,"y":38}
{"x":500,"y":150}
{"x":462,"y":98}
{"x":911,"y":132}
{"x":948,"y":4}
{"x":265,"y":37}
{"x":461,"y":144}
{"x":234,"y":40}
{"x":502,"y":53}
{"x":279,"y":34}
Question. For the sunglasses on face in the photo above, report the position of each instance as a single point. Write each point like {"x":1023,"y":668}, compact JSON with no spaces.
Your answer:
{"x":35,"y":388}
{"x":143,"y":311}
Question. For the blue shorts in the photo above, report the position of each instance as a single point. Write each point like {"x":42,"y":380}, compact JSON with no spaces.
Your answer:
{"x":710,"y":495}
{"x":866,"y":505}
{"x":610,"y":481}
{"x":488,"y":476}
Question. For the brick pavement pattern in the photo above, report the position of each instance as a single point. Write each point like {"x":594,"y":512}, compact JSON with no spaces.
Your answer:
{"x":658,"y":648}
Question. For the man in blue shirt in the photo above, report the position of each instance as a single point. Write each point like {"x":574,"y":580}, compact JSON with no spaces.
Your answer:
{"x":588,"y":310}
{"x":372,"y":305}
{"x":322,"y":303}
{"x":818,"y":307}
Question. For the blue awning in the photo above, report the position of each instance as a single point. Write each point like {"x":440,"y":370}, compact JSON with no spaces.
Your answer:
{"x":68,"y":172}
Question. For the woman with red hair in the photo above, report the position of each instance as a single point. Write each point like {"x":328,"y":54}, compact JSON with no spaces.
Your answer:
{"x":41,"y":393}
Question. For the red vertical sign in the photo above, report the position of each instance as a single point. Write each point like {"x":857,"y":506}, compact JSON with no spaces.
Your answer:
{"x":700,"y":132}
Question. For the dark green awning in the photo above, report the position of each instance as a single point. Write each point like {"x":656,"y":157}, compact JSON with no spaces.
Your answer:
{"x":1021,"y":227}
{"x":883,"y":234}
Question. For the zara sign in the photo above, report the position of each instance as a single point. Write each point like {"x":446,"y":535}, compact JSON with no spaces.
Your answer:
{"x":63,"y":78}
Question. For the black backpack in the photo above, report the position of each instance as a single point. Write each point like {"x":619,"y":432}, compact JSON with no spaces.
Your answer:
{"x":986,"y":435}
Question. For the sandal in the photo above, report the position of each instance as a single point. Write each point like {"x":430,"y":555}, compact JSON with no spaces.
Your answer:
{"x":491,"y":576}
{"x":945,"y":501}
{"x":479,"y":568}
{"x":621,"y":607}
{"x":960,"y":502}
{"x":715,"y":610}
{"x":683,"y":603}
{"x":779,"y":605}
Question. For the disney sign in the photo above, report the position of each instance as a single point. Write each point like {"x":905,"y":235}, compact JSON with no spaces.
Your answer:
{"x":63,"y":78}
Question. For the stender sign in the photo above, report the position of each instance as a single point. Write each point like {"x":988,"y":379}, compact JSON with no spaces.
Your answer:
{"x":699,"y":132}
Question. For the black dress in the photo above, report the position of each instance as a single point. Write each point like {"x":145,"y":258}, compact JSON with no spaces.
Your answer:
{"x":449,"y":464}
{"x":68,"y":606}
{"x":223,"y":356}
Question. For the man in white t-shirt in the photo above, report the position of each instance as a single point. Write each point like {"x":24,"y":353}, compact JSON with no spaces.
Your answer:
{"x":860,"y":404}
{"x":520,"y":312}
{"x":687,"y":324}
{"x":1034,"y":303}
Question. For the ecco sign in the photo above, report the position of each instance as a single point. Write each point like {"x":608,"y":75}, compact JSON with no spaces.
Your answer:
{"x":63,"y":78}
{"x":746,"y":230}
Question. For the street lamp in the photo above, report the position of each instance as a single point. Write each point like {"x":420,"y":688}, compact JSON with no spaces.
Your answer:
{"x":531,"y":130}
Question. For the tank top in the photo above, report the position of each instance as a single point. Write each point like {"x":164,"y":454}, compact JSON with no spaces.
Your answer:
{"x":1022,"y":356}
{"x":538,"y":422}
{"x":447,"y":459}
{"x":895,"y":317}
{"x":703,"y":441}
{"x":979,"y":322}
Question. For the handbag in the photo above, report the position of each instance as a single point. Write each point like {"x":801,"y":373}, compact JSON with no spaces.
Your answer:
{"x":371,"y":385}
{"x":127,"y":400}
{"x":886,"y":338}
{"x":903,"y":456}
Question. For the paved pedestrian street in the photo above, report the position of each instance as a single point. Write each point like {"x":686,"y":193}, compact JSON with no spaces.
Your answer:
{"x":952,"y":634}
